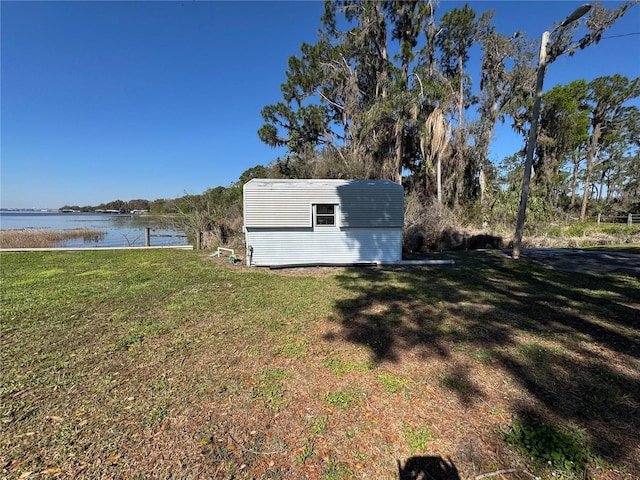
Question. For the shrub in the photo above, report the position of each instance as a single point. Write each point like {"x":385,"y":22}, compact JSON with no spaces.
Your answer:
{"x":563,"y":449}
{"x":425,"y":223}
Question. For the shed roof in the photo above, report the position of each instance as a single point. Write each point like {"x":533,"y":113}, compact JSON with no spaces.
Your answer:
{"x":319,"y":182}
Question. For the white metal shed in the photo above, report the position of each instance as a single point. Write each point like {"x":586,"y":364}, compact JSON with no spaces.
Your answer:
{"x":322,"y":221}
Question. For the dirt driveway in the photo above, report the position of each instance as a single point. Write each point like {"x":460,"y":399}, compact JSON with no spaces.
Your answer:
{"x":589,"y":261}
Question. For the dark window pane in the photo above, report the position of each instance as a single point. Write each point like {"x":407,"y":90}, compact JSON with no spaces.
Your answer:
{"x":325,"y":209}
{"x":325,"y":220}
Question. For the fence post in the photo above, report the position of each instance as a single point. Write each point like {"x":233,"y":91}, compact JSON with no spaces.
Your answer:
{"x":147,"y":236}
{"x":598,"y":220}
{"x":629,"y":219}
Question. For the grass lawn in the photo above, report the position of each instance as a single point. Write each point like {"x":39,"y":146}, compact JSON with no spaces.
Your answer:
{"x":170,"y":364}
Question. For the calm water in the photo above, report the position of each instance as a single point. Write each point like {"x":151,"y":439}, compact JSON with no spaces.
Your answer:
{"x":119,"y":230}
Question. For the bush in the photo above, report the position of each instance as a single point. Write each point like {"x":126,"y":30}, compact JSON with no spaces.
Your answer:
{"x":425,"y":223}
{"x":434,"y":227}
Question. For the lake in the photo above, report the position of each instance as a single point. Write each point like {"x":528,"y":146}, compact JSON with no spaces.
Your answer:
{"x":120,"y":230}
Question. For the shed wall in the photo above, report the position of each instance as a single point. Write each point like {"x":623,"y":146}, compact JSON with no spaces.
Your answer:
{"x":371,"y":207}
{"x":306,"y":246}
{"x":288,"y":204}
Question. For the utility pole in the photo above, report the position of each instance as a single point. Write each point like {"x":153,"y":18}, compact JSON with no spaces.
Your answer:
{"x":533,"y":131}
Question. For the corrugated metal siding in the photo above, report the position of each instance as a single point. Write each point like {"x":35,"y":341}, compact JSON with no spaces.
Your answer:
{"x":287,"y":203}
{"x":327,"y":245}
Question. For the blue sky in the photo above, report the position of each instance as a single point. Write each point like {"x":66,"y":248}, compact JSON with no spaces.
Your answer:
{"x":123,"y":100}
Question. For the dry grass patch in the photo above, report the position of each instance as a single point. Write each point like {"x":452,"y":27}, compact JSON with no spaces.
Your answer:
{"x":45,"y":238}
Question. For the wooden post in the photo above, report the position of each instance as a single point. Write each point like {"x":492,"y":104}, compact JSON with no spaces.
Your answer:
{"x":598,"y":221}
{"x":147,"y":236}
{"x":630,"y":219}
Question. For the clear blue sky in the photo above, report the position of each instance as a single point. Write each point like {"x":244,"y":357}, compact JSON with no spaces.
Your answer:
{"x":123,"y":100}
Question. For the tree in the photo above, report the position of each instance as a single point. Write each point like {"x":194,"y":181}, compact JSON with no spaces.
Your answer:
{"x":258,"y":171}
{"x":345,"y":99}
{"x":119,"y":205}
{"x":162,"y":206}
{"x":139,"y":204}
{"x":548,"y":52}
{"x":458,"y":32}
{"x":406,"y":19}
{"x":607,"y":97}
{"x":564,"y":130}
{"x":506,"y":81}
{"x":352,"y":109}
{"x":433,"y":145}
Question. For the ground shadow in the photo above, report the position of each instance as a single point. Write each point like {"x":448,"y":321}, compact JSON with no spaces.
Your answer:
{"x":582,"y":348}
{"x":432,"y":468}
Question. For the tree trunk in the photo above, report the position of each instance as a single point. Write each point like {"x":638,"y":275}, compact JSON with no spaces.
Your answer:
{"x":430,"y":46}
{"x":398,"y":139}
{"x":574,"y":182}
{"x":591,"y":154}
{"x":439,"y":179}
{"x":399,"y":130}
{"x":601,"y":188}
{"x":460,"y":176}
{"x":384,"y":56}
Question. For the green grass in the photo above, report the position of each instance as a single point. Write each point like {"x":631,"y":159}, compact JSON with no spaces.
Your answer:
{"x":166,"y":363}
{"x":292,"y":348}
{"x":335,"y":470}
{"x":633,"y":249}
{"x":482,"y":356}
{"x":84,"y":331}
{"x":454,"y":383}
{"x":418,"y":438}
{"x":306,"y":453}
{"x":392,"y":383}
{"x":341,"y":399}
{"x":343,"y":367}
{"x":580,"y":229}
{"x":317,"y":426}
{"x":269,"y":387}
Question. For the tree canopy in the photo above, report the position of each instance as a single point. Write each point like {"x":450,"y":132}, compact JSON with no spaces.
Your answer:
{"x":385,"y":93}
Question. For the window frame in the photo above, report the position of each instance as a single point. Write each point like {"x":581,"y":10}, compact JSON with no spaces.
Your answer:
{"x":317,"y":215}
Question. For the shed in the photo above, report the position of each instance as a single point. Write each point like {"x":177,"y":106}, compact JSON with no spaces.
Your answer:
{"x":323,"y":221}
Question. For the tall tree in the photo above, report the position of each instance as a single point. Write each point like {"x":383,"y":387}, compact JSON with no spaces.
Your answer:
{"x":564,"y":130}
{"x":607,"y":96}
{"x":458,"y":33}
{"x":367,"y":53}
{"x":506,"y":80}
{"x":618,"y":147}
{"x":345,"y":95}
{"x":406,"y":19}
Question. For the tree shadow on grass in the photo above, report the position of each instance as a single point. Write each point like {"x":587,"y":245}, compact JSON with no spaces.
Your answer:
{"x":570,"y":340}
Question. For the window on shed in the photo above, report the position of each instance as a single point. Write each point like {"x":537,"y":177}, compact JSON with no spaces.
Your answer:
{"x":325,"y":214}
